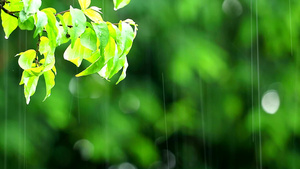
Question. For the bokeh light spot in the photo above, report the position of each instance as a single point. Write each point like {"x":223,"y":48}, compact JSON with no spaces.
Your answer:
{"x":232,"y":7}
{"x":85,"y":147}
{"x":270,"y":102}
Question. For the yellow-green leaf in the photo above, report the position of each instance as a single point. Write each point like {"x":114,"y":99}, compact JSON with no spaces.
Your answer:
{"x":93,"y":68}
{"x":42,"y":21}
{"x":30,"y":83}
{"x":123,"y":75}
{"x":120,"y":3}
{"x":9,"y":23}
{"x":89,"y":39}
{"x":77,"y":53}
{"x":93,"y":15}
{"x":49,"y":81}
{"x":44,"y":45}
{"x":78,"y":23}
{"x":84,"y":4}
{"x":26,"y":58}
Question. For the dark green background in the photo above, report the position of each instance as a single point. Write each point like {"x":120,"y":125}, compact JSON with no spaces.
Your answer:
{"x":201,"y":57}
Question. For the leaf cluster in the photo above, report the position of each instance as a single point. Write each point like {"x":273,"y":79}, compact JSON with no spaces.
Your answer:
{"x":105,"y":45}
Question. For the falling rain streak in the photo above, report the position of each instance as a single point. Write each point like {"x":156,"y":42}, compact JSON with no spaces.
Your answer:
{"x":258,"y":88}
{"x":165,"y":115}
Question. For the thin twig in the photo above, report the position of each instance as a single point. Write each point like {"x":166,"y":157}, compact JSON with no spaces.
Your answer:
{"x":62,"y":12}
{"x":37,"y":50}
{"x":8,"y":12}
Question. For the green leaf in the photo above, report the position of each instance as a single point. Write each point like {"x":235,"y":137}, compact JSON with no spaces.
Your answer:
{"x":110,"y":49}
{"x":51,"y":27}
{"x":62,"y":31}
{"x":67,"y":18}
{"x":30,"y":83}
{"x":35,"y":71}
{"x":113,"y":30}
{"x":102,"y":33}
{"x":127,"y":36}
{"x":42,"y":21}
{"x":94,"y":67}
{"x":26,"y":58}
{"x":9,"y":23}
{"x":44,"y":45}
{"x":32,"y":6}
{"x":49,"y":81}
{"x":89,"y":39}
{"x":78,"y":23}
{"x":28,"y":24}
{"x":95,"y":16}
{"x":93,"y":57}
{"x":23,"y":16}
{"x":77,"y":53}
{"x":123,"y":75}
{"x":118,"y":63}
{"x":84,"y":4}
{"x":49,"y":61}
{"x":120,"y":3}
{"x":15,"y":5}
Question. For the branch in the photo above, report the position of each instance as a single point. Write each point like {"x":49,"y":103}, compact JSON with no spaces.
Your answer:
{"x":37,"y":51}
{"x":8,"y":12}
{"x":62,"y":12}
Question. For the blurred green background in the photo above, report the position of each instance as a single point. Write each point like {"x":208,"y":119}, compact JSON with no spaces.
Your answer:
{"x":210,"y":84}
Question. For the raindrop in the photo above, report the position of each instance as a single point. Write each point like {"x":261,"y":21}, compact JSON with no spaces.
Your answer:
{"x":270,"y":101}
{"x":85,"y":147}
{"x":6,"y":37}
{"x":126,"y":166}
{"x":232,"y":7}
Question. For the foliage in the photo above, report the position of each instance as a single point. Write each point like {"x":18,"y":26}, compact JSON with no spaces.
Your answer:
{"x":208,"y":119}
{"x":105,"y":45}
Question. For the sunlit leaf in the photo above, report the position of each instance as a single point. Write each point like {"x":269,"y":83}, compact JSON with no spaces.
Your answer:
{"x":35,"y":71}
{"x":95,"y":8}
{"x":42,"y":21}
{"x":26,"y":58}
{"x":112,"y":30}
{"x":110,"y":49}
{"x":51,"y":27}
{"x":49,"y":81}
{"x":89,"y":39}
{"x":27,"y":24}
{"x":49,"y":61}
{"x":84,"y":4}
{"x":30,"y":83}
{"x":93,"y":68}
{"x":15,"y":5}
{"x":118,"y":63}
{"x":93,"y":57}
{"x":67,"y":18}
{"x":32,"y":6}
{"x":30,"y":87}
{"x":44,"y":45}
{"x":93,"y":15}
{"x":9,"y":23}
{"x":78,"y":23}
{"x":102,"y":33}
{"x":123,"y":75}
{"x":77,"y":53}
{"x":120,"y":3}
{"x":128,"y":35}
